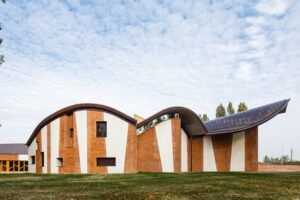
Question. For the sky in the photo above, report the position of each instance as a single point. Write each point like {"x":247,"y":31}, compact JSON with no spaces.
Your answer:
{"x":143,"y":56}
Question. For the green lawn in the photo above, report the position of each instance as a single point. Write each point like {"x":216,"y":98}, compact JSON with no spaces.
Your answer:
{"x":152,"y":186}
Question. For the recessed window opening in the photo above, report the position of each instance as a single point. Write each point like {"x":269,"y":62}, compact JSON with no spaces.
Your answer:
{"x":59,"y":162}
{"x":101,"y":129}
{"x":105,"y":161}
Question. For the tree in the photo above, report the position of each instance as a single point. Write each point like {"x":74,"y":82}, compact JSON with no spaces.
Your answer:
{"x":266,"y":159}
{"x":220,"y":111}
{"x":230,"y":109}
{"x":242,"y":107}
{"x":204,"y":117}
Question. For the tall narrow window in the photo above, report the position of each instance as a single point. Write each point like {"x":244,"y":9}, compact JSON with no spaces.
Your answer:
{"x":106,"y":161}
{"x":32,"y":160}
{"x":101,"y":129}
{"x":42,"y":155}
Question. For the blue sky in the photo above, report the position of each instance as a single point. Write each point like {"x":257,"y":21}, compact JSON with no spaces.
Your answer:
{"x":143,"y":56}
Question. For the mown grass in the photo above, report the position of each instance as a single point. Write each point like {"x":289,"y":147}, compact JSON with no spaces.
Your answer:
{"x":152,"y":186}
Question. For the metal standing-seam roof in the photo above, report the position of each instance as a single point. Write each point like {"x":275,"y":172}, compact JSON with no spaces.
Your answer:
{"x":13,"y":149}
{"x":247,"y":119}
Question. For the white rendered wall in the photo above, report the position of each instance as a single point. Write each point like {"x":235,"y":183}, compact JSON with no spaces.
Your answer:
{"x":116,"y":142}
{"x":31,"y":152}
{"x":165,"y":145}
{"x":81,"y":122}
{"x":184,"y":157}
{"x":54,"y":144}
{"x":209,"y":161}
{"x":237,"y":162}
{"x":24,"y":157}
{"x":44,"y":147}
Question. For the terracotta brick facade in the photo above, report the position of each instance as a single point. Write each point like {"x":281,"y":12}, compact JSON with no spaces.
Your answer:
{"x":142,"y":151}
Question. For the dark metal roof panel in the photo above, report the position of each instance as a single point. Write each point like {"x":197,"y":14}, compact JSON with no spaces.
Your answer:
{"x":247,"y":119}
{"x":13,"y":149}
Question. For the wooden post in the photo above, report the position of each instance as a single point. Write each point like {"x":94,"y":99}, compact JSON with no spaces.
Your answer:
{"x":7,"y":166}
{"x":19,"y":167}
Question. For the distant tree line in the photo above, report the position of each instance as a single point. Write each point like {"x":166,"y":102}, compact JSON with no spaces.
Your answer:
{"x":285,"y":160}
{"x":222,"y":112}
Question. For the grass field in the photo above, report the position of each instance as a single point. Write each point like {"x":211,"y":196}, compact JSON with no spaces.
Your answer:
{"x":152,"y":186}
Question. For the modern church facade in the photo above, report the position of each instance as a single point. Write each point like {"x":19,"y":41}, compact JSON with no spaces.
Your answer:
{"x":93,"y":138}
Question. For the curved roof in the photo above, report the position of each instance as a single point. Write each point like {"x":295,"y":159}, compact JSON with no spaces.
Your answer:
{"x":13,"y":149}
{"x":190,"y":121}
{"x":76,"y":107}
{"x":247,"y":119}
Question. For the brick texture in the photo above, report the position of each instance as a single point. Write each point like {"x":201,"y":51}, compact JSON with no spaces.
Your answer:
{"x":148,"y":152}
{"x":96,"y":145}
{"x":38,"y":156}
{"x":131,"y":150}
{"x":176,"y":140}
{"x":48,"y":149}
{"x":70,"y":154}
{"x":251,"y":149}
{"x":197,"y":154}
{"x":222,"y":149}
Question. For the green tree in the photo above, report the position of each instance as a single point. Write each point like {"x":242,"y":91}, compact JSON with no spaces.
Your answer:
{"x":230,"y":109}
{"x":220,"y":111}
{"x":266,"y":159}
{"x":204,"y":117}
{"x":242,"y":107}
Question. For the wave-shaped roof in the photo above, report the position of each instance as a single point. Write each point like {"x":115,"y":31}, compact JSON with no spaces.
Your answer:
{"x":190,"y":121}
{"x":247,"y":119}
{"x":77,"y":107}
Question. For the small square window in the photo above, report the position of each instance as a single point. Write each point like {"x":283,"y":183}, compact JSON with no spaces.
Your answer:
{"x":59,"y":162}
{"x":32,"y":158}
{"x":106,"y":161}
{"x":101,"y":129}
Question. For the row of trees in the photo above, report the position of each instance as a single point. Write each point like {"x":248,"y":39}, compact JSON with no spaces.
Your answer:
{"x":221,"y":111}
{"x":1,"y":40}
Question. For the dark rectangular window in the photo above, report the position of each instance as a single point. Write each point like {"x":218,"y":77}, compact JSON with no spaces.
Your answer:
{"x":101,"y":129}
{"x":42,"y":155}
{"x":106,"y":161}
{"x":32,"y":160}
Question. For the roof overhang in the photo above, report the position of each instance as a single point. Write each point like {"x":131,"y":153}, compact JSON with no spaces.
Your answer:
{"x":190,"y":121}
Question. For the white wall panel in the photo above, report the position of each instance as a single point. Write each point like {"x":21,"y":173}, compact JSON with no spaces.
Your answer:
{"x":23,"y":157}
{"x":238,"y":152}
{"x":116,"y":142}
{"x":81,"y":122}
{"x":44,"y":147}
{"x":209,"y":161}
{"x":31,"y":152}
{"x":184,"y":156}
{"x":165,"y":145}
{"x":54,"y":144}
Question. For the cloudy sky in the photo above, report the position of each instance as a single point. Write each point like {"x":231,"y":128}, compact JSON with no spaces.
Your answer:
{"x":143,"y":56}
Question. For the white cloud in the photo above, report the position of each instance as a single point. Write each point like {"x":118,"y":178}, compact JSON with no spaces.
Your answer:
{"x":272,"y":7}
{"x":244,"y":71}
